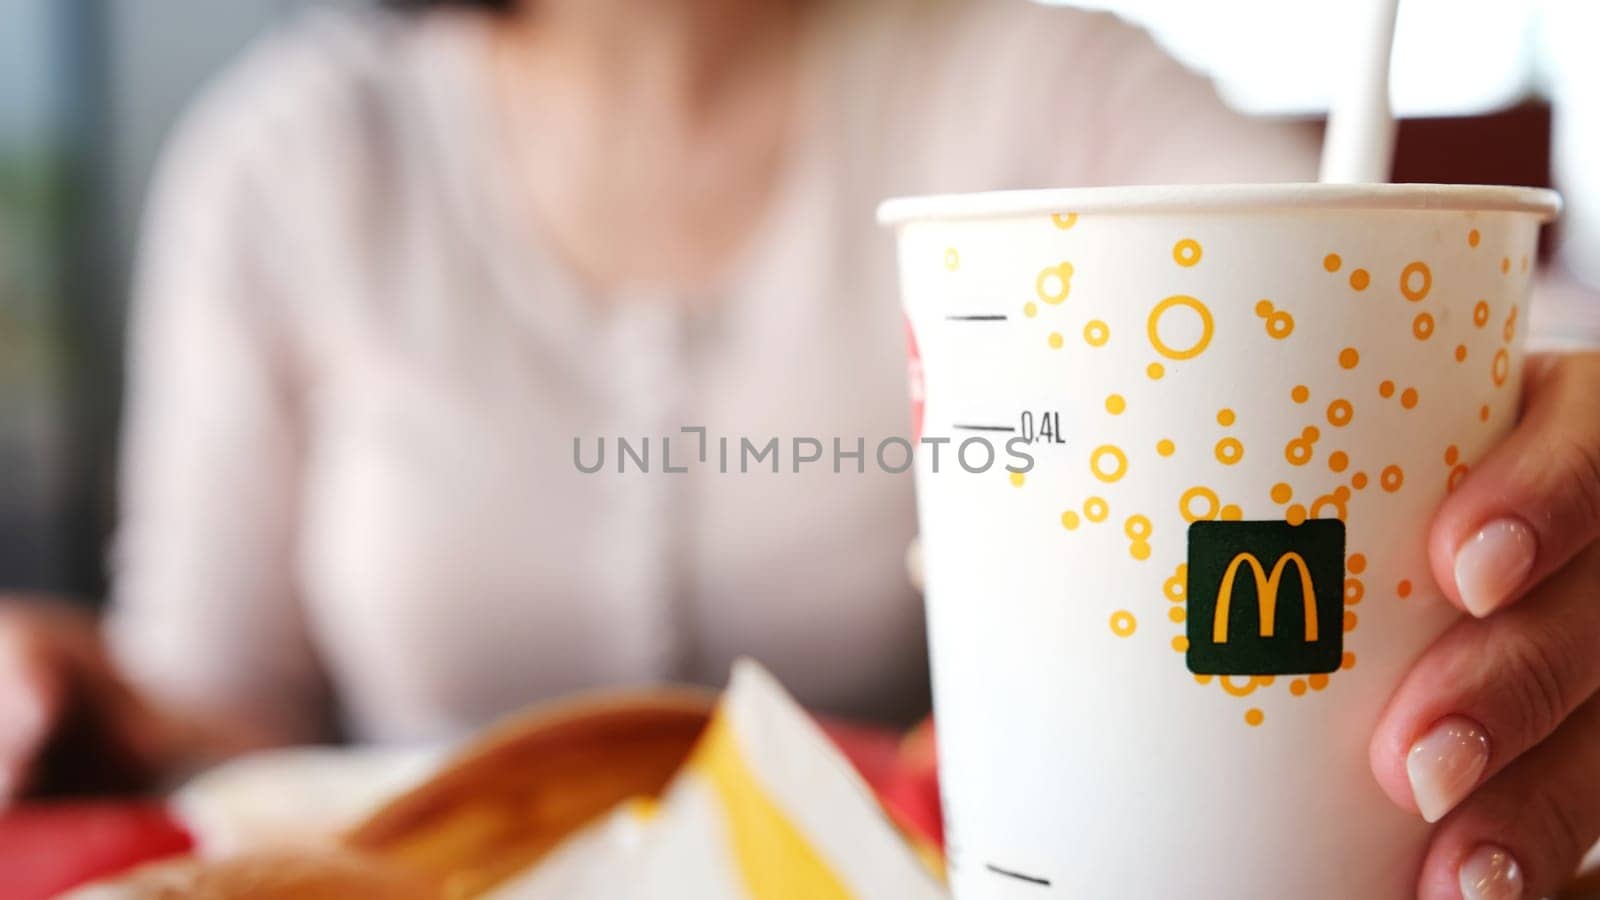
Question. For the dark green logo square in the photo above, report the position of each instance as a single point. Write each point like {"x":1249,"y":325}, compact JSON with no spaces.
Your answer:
{"x":1249,"y":613}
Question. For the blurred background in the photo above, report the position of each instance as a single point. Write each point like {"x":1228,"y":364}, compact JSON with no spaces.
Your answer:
{"x":90,"y":88}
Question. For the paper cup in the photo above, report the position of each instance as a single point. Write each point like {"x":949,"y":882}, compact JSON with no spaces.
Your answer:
{"x":1161,"y":647}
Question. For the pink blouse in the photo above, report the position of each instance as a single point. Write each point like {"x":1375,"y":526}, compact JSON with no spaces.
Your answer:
{"x":356,"y":379}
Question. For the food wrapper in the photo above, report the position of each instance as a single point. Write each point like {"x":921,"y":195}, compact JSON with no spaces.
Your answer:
{"x":765,"y":808}
{"x":648,"y":796}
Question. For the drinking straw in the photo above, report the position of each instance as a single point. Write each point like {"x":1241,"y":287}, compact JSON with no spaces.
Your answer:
{"x":1359,"y":145}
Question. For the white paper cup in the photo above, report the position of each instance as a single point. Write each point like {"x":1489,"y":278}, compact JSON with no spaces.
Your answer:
{"x":1199,"y":370}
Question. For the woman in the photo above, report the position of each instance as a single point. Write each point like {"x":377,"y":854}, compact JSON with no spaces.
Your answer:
{"x":396,"y":266}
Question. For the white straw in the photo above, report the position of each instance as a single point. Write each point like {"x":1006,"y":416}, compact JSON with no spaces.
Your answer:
{"x":1359,"y":146}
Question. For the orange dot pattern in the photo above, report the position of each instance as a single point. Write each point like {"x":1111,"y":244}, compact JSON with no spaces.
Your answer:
{"x":1279,"y":324}
{"x":1108,"y":463}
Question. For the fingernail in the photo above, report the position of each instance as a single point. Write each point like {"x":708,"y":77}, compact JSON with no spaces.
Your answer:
{"x":1445,"y":763}
{"x":1493,"y":563}
{"x":1491,"y":873}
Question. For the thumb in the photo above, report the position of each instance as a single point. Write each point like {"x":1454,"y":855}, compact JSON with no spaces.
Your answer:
{"x":1534,"y":502}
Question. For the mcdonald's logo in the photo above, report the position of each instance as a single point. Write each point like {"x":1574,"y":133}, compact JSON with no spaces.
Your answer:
{"x":1265,"y":598}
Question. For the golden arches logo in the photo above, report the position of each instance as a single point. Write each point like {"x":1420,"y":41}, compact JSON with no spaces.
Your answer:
{"x":1220,"y":553}
{"x":1266,"y":594}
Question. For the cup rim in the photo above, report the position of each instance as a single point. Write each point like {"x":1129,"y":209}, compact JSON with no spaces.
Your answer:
{"x":1546,"y":204}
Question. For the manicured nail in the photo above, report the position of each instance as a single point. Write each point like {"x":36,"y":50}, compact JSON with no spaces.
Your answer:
{"x":1493,"y":563}
{"x":1491,"y":873}
{"x":1445,"y":763}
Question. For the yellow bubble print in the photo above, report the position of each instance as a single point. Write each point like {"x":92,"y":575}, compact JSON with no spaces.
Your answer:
{"x":1030,"y":309}
{"x":952,"y":259}
{"x":1018,"y":479}
{"x":1225,"y":417}
{"x":1229,"y":451}
{"x":1231,"y":513}
{"x":1340,"y":412}
{"x":1480,"y":313}
{"x":1472,"y":238}
{"x":1177,"y":587}
{"x":1300,"y":450}
{"x":1123,"y":623}
{"x":1095,"y":509}
{"x":1096,"y":333}
{"x":1186,"y":252}
{"x":1054,"y":283}
{"x":1510,"y":329}
{"x":1461,"y":353}
{"x":1354,"y":590}
{"x":1115,"y":404}
{"x":1349,"y":358}
{"x":1416,"y":280}
{"x":1069,"y":520}
{"x":1064,"y":221}
{"x":1181,"y":644}
{"x":1282,"y":493}
{"x":1137,"y":528}
{"x":1422,"y":326}
{"x":1335,"y":501}
{"x":1251,"y":682}
{"x":1338,"y":460}
{"x":1199,"y":492}
{"x":1408,"y":398}
{"x":1254,"y":717}
{"x":1392,"y":478}
{"x":1300,"y":394}
{"x":1331,"y":262}
{"x":1505,"y":265}
{"x":1359,"y":279}
{"x":1180,"y":301}
{"x":1166,"y":447}
{"x":1118,"y":459}
{"x":1155,"y":370}
{"x":1501,"y":367}
{"x":1177,"y":614}
{"x":1055,"y":340}
{"x":1279,"y":323}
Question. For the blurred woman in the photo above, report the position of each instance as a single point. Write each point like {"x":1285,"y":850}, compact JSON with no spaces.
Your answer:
{"x":396,"y":263}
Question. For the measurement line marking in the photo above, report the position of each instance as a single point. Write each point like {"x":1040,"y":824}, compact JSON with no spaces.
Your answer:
{"x":983,"y":427}
{"x":983,"y":318}
{"x":1031,"y":879}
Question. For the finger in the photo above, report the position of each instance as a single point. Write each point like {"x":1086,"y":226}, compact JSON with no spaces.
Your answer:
{"x":31,"y":697}
{"x":1534,"y":501}
{"x":1524,"y":833}
{"x":1488,"y":690}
